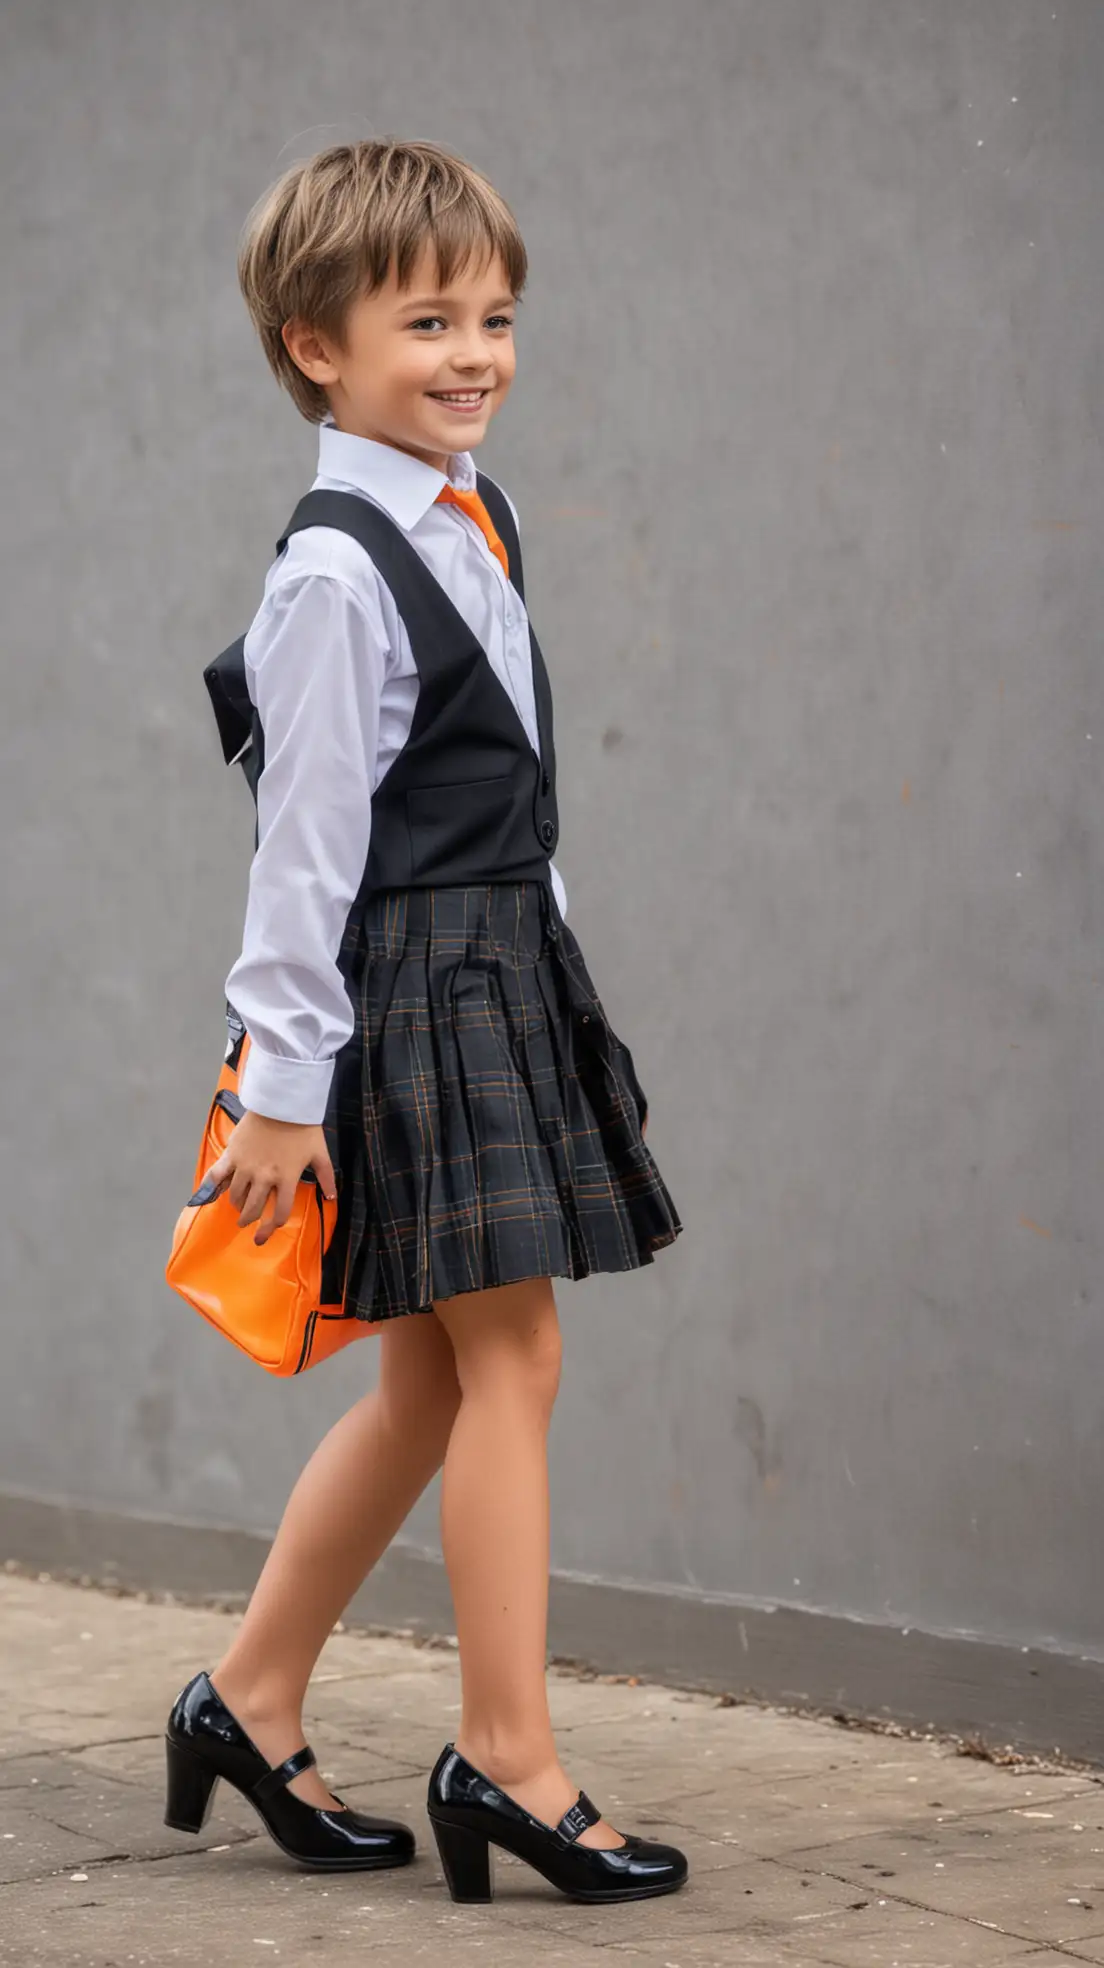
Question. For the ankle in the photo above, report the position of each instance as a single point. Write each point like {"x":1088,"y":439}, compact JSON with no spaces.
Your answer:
{"x":508,"y":1761}
{"x":256,"y":1701}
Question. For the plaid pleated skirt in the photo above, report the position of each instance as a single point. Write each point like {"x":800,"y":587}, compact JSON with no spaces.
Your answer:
{"x":488,"y":1118}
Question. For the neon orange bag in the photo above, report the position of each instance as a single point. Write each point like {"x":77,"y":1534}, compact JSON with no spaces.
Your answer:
{"x":262,"y":1297}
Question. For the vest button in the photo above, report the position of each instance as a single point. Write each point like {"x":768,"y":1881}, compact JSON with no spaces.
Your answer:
{"x":547,"y":832}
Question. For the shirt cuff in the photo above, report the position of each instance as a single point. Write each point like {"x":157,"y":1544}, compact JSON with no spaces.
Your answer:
{"x":285,"y":1089}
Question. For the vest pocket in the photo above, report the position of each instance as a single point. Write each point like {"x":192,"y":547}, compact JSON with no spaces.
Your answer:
{"x":461,"y":831}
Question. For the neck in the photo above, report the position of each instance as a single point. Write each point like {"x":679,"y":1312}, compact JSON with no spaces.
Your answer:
{"x":354,"y":427}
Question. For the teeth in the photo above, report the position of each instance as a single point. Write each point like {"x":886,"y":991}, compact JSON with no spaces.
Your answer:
{"x":457,"y":396}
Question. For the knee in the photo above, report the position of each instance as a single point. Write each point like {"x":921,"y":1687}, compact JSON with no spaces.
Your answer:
{"x":418,"y":1383}
{"x":524,"y":1370}
{"x":535,"y":1366}
{"x":516,"y":1349}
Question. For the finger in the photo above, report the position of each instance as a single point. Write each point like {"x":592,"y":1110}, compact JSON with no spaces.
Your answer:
{"x":206,"y":1192}
{"x":283,"y":1196}
{"x":323,"y":1168}
{"x":215,"y":1180}
{"x":249,"y":1195}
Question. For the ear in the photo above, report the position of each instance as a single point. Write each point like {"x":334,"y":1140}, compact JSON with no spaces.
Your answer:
{"x":309,"y":351}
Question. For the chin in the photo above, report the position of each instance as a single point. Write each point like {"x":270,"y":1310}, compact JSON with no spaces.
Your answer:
{"x":460,"y":440}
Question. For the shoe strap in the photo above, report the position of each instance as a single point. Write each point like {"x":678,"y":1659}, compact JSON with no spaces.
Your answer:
{"x":576,"y":1819}
{"x":274,"y":1780}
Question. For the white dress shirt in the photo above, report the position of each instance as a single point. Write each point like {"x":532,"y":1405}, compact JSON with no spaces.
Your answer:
{"x":330,"y":669}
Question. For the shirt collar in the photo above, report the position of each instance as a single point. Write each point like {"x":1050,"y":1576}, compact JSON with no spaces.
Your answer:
{"x":403,"y":485}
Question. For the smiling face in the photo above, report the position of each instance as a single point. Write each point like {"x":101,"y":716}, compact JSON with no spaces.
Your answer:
{"x":408,"y":351}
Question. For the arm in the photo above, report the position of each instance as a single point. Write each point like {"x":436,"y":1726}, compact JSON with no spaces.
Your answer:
{"x":316,"y":664}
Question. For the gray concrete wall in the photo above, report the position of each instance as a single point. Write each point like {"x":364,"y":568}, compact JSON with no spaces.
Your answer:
{"x":807,"y":442}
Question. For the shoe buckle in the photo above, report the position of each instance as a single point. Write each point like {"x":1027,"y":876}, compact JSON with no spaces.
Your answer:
{"x":577,"y":1817}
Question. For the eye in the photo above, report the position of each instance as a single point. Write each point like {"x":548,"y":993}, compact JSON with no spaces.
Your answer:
{"x":428,"y":320}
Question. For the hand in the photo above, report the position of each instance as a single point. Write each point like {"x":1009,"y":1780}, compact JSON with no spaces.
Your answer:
{"x":264,"y":1155}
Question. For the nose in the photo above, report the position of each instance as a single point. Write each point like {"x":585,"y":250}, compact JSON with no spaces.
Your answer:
{"x":473,"y":353}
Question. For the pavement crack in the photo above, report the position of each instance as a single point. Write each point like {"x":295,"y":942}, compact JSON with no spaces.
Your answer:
{"x":907,"y":1899}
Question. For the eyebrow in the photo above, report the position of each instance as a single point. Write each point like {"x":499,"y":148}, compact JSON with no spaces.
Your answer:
{"x":441,"y":300}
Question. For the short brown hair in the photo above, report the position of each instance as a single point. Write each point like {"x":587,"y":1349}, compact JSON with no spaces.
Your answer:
{"x":330,"y":229}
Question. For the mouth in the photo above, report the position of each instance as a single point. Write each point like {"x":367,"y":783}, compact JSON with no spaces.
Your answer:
{"x":465,"y":403}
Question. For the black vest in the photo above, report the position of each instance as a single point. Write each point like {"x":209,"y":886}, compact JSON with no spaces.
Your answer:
{"x":467,"y":799}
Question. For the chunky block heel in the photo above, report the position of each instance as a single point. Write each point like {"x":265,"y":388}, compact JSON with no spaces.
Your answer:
{"x":191,"y":1787}
{"x":465,"y":1861}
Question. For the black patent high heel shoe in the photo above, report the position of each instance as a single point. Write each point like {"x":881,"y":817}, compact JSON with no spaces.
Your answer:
{"x":470,"y":1814}
{"x":204,"y":1741}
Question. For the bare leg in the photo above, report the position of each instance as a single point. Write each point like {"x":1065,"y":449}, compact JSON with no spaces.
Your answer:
{"x":358,"y":1487}
{"x":495,"y":1533}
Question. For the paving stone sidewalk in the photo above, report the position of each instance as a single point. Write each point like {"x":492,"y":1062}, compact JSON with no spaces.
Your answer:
{"x":809,"y":1842}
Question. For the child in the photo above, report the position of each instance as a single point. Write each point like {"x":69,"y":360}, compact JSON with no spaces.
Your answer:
{"x":488,"y":1119}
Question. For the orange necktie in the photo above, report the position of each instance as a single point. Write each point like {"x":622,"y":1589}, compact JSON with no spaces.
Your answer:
{"x":472,"y":504}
